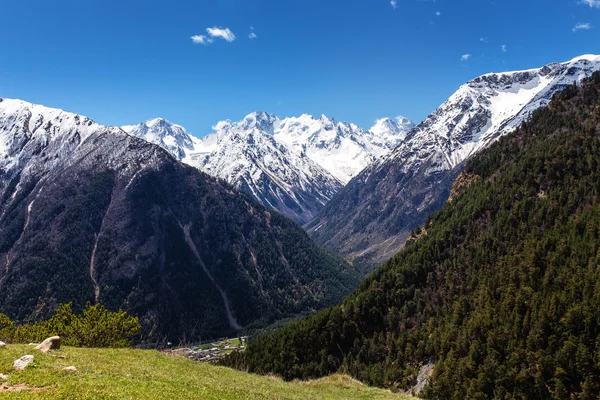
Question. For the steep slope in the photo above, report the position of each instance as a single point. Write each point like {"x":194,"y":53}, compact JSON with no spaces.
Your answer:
{"x":293,"y":165}
{"x":370,"y":219}
{"x":90,"y":213}
{"x":499,"y":290}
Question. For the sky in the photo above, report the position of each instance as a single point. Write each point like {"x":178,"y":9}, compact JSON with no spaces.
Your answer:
{"x":199,"y":62}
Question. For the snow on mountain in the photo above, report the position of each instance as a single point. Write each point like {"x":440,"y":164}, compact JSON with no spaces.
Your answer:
{"x":35,"y":139}
{"x":397,"y":192}
{"x":114,"y":219}
{"x":294,"y":165}
{"x":174,"y":138}
{"x":487,"y":108}
{"x":342,"y":149}
{"x":391,"y":130}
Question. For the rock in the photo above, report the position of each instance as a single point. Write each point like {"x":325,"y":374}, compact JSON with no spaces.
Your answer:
{"x":3,"y":377}
{"x":423,"y":378}
{"x":22,"y":362}
{"x":71,"y":368}
{"x":2,"y":344}
{"x":52,"y":343}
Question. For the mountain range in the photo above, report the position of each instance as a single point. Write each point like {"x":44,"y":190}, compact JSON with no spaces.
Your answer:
{"x":496,"y":296}
{"x":369,"y":220}
{"x":91,"y":213}
{"x":293,"y":165}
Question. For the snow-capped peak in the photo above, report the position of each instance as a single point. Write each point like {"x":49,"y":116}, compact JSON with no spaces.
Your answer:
{"x":172,"y":137}
{"x":392,"y":130}
{"x":258,"y":120}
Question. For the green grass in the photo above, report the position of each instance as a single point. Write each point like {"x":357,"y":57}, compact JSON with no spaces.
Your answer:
{"x":147,"y":374}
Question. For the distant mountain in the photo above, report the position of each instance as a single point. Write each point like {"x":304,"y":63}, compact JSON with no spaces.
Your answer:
{"x":171,"y":137}
{"x":342,"y":149}
{"x":293,"y":165}
{"x":391,"y":131}
{"x":496,"y":297}
{"x":370,"y":219}
{"x":90,"y":213}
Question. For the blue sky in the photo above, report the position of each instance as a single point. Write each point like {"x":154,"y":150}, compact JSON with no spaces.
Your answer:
{"x":123,"y":62}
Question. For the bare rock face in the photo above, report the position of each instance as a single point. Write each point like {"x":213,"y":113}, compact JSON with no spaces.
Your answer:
{"x":22,"y":362}
{"x":52,"y":343}
{"x":423,"y":378}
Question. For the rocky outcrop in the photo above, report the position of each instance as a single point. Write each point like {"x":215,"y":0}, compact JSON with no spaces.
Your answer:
{"x":51,"y":343}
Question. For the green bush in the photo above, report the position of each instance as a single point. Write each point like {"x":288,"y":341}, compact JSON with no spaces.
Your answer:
{"x":96,"y":327}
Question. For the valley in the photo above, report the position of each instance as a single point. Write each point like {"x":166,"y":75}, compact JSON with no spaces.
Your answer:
{"x":248,"y":210}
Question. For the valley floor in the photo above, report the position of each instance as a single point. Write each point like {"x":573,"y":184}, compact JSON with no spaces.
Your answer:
{"x":148,"y":374}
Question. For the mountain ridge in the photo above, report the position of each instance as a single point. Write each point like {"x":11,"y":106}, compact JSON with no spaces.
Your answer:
{"x":294,"y":165}
{"x":369,"y":220}
{"x":91,"y":213}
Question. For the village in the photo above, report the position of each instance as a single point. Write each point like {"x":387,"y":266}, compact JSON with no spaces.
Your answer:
{"x":212,"y":351}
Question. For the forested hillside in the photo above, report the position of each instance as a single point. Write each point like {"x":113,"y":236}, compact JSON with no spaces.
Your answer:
{"x":500,"y":289}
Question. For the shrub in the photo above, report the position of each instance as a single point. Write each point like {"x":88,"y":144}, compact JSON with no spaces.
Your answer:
{"x":96,"y":327}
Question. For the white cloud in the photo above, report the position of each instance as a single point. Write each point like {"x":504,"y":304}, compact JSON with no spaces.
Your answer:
{"x":504,"y":48}
{"x":438,"y":13}
{"x":592,"y":3}
{"x":582,"y":27}
{"x":201,"y":39}
{"x":394,"y":4}
{"x":252,"y":35}
{"x":465,"y":57}
{"x":483,"y":39}
{"x":223,"y":33}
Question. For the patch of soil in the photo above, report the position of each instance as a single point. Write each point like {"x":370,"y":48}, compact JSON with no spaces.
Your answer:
{"x":19,"y":388}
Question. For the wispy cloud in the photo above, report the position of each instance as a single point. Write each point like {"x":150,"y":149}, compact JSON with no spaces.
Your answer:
{"x":483,"y":39}
{"x":438,"y":13}
{"x":582,"y":26}
{"x":201,"y":39}
{"x":465,"y":57}
{"x":591,"y":3}
{"x":503,"y":48}
{"x":394,"y":4}
{"x":252,"y":35}
{"x":223,"y":33}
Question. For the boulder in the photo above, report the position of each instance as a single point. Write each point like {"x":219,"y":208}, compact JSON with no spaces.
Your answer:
{"x":72,"y":368}
{"x":52,"y":343}
{"x":2,"y":344}
{"x":22,"y":362}
{"x":3,"y":377}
